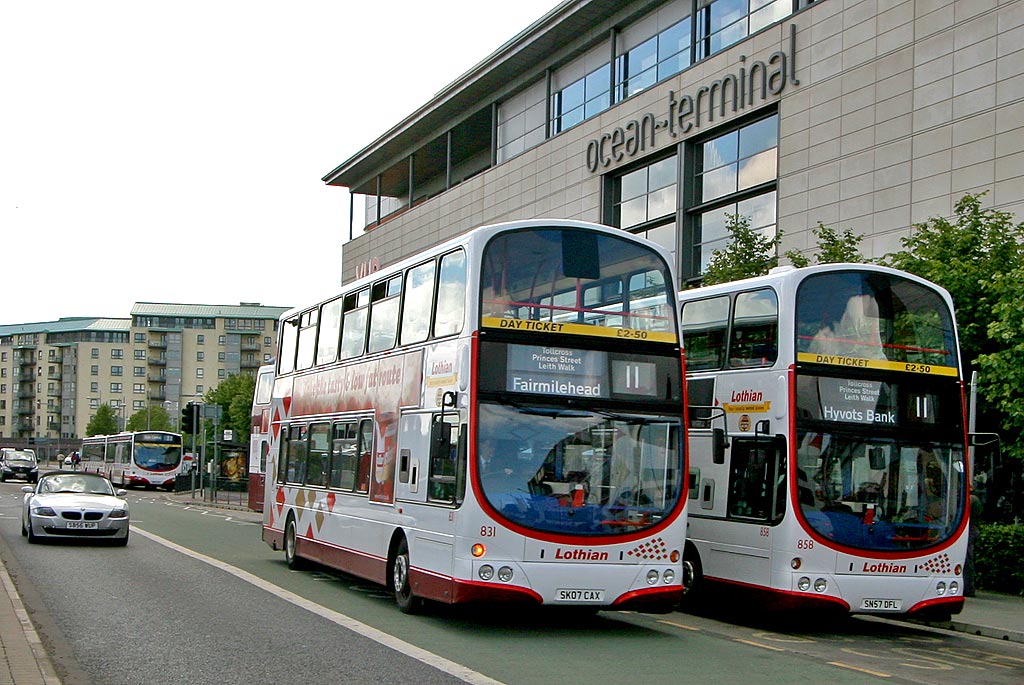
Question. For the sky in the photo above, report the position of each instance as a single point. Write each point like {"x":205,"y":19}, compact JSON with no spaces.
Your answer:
{"x":172,"y":152}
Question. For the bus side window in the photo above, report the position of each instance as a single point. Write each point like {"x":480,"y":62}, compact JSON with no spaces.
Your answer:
{"x":704,"y":324}
{"x":289,"y":341}
{"x":419,"y":304}
{"x":756,"y":480}
{"x":318,"y":457}
{"x":755,"y":329}
{"x":364,"y":450}
{"x":385,"y":300}
{"x":307,"y":339}
{"x":329,"y":332}
{"x":293,"y":455}
{"x":443,"y":455}
{"x":343,"y":457}
{"x":451,"y":294}
{"x":353,"y":327}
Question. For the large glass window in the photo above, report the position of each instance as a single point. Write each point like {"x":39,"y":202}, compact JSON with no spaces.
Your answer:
{"x":581,"y":89}
{"x":735,"y":175}
{"x":307,"y":339}
{"x":872,"y":315}
{"x":646,"y":194}
{"x":653,"y":48}
{"x":721,"y":23}
{"x":705,"y":323}
{"x":353,"y":331}
{"x":578,"y":472}
{"x":879,"y":494}
{"x":572,"y":276}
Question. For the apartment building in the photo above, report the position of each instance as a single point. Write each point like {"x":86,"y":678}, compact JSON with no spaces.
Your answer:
{"x":54,"y":375}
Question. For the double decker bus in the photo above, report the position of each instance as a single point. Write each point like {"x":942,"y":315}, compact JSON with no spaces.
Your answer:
{"x":828,"y":441}
{"x":259,"y":436}
{"x":149,"y":459}
{"x":497,"y":419}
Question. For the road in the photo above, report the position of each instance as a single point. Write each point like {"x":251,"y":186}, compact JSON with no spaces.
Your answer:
{"x":196,"y":597}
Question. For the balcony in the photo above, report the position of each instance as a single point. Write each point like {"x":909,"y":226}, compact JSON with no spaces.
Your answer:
{"x":157,"y":395}
{"x":23,"y":409}
{"x":251,"y":347}
{"x":55,"y":375}
{"x":157,"y":379}
{"x":27,"y":393}
{"x":157,"y":344}
{"x":56,"y":392}
{"x":156,"y":361}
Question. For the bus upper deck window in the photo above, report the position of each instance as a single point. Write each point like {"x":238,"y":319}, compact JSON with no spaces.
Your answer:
{"x":754,"y":340}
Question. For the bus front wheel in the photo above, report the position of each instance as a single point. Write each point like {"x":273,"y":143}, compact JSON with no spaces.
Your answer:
{"x":693,"y":575}
{"x":407,"y":602}
{"x":291,"y":555}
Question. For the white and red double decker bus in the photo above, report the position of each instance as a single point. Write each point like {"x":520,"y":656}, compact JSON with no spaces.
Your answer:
{"x":151,"y":459}
{"x":259,"y":436}
{"x":828,"y":441}
{"x":499,"y":418}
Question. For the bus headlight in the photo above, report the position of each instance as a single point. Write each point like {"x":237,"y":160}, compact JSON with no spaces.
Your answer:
{"x":820,"y":585}
{"x":652,"y":577}
{"x":486,"y":572}
{"x":668,"y":577}
{"x":505,"y":574}
{"x":804,"y":584}
{"x":941,"y":588}
{"x":954,"y":587}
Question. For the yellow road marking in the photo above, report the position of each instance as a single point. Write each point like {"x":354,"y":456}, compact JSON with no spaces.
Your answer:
{"x":879,"y":674}
{"x":759,"y":644}
{"x":678,"y":625}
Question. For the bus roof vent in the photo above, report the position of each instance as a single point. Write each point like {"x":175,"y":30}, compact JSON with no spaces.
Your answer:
{"x":781,"y":269}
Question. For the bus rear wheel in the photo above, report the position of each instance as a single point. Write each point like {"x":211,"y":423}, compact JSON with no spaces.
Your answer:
{"x":407,"y":602}
{"x":291,"y":554}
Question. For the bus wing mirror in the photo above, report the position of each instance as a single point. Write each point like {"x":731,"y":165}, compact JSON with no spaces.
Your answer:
{"x":983,"y":439}
{"x":719,"y":443}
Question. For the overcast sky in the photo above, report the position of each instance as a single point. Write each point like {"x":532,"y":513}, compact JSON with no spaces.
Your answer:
{"x":172,"y":152}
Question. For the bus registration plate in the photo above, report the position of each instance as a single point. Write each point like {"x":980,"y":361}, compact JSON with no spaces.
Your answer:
{"x":882,"y":604}
{"x":81,"y":524}
{"x":576,"y":595}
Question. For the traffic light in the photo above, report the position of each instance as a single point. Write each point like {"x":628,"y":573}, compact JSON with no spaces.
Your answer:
{"x":188,"y":418}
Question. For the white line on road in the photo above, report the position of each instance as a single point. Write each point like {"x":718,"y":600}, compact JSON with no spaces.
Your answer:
{"x":458,"y":670}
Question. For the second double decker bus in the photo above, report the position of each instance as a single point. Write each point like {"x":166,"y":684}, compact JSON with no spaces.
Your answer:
{"x":145,"y":458}
{"x":499,"y":418}
{"x":828,"y":444}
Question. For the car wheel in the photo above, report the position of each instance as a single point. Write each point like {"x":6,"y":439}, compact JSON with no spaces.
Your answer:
{"x":24,"y":531}
{"x":32,"y":537}
{"x":407,"y":602}
{"x":3,"y":478}
{"x":291,"y":555}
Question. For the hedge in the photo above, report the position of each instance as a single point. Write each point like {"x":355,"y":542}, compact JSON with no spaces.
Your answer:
{"x":998,"y":555}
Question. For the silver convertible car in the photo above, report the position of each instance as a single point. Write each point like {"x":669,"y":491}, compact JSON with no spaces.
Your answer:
{"x":71,"y":504}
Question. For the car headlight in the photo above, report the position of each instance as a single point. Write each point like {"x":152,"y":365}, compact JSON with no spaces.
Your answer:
{"x":119,"y":514}
{"x":44,"y":511}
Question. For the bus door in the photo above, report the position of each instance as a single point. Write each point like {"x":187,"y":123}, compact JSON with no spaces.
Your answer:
{"x":427,"y":454}
{"x":751,"y":496}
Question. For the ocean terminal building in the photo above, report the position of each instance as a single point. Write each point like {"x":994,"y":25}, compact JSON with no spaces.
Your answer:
{"x":663,"y":118}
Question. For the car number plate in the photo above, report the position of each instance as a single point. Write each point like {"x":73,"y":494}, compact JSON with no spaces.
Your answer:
{"x":577,"y":595}
{"x":882,"y":604}
{"x":82,"y":524}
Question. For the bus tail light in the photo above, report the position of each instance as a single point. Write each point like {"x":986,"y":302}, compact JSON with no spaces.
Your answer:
{"x":478,"y":550}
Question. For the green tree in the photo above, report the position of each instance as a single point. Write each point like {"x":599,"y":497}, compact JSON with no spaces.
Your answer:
{"x":150,"y":418}
{"x":833,"y":248}
{"x":748,"y":253}
{"x":978,"y":256}
{"x":234,"y":395}
{"x":103,"y":422}
{"x":1001,"y":370}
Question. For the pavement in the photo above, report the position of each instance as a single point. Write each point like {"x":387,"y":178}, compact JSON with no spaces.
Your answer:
{"x":24,"y":661}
